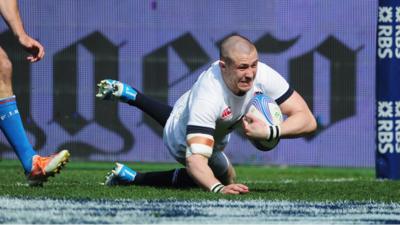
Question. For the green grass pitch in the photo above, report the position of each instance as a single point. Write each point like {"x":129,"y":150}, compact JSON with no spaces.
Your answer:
{"x":82,"y":180}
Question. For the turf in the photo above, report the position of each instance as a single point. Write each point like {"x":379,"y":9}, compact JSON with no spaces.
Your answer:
{"x":82,"y":180}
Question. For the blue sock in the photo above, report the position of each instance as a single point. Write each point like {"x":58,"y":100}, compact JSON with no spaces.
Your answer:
{"x":11,"y":125}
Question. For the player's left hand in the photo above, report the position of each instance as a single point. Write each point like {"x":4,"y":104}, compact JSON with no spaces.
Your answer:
{"x":235,"y":189}
{"x":33,"y":47}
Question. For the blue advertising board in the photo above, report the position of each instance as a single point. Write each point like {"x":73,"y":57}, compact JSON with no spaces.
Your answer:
{"x":388,"y":90}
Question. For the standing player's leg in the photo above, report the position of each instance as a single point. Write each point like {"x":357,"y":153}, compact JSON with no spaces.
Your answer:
{"x":36,"y":168}
{"x":112,"y":89}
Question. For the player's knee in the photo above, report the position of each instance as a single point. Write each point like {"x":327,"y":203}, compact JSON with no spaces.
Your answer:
{"x":231,"y":175}
{"x":228,"y":177}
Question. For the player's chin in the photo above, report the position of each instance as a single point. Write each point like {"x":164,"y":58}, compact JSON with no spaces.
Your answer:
{"x":245,"y":86}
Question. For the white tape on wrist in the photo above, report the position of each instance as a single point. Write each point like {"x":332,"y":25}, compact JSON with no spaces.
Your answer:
{"x":217,"y":188}
{"x":274,"y":132}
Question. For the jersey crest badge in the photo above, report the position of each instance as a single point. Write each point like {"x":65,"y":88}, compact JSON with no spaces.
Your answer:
{"x":227,"y":113}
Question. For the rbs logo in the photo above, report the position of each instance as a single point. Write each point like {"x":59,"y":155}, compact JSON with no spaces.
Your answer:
{"x":388,"y":127}
{"x":386,"y":27}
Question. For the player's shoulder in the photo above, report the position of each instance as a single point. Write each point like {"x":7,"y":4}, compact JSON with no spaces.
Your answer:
{"x":209,"y":82}
{"x":270,"y":81}
{"x":212,"y":73}
{"x":206,"y":92}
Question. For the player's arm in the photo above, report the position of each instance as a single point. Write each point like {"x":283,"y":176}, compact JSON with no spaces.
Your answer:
{"x":300,"y":120}
{"x":198,"y":151}
{"x":203,"y":112}
{"x":9,"y":11}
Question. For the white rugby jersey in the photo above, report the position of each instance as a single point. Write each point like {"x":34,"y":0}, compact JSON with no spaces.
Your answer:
{"x":210,"y":107}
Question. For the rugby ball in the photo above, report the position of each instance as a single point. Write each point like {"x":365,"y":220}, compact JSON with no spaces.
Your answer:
{"x":266,"y":109}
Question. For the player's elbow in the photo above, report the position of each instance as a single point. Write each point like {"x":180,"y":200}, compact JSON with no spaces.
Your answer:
{"x":190,"y":162}
{"x":311,"y":126}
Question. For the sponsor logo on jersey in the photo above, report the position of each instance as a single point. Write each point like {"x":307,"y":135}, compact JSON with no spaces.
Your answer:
{"x":258,"y":93}
{"x":227,"y":113}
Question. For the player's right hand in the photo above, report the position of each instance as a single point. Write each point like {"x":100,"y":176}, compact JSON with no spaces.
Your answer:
{"x":255,"y":128}
{"x":235,"y":189}
{"x":33,"y":47}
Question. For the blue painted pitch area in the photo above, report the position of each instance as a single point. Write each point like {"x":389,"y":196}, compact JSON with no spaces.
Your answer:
{"x":45,"y":211}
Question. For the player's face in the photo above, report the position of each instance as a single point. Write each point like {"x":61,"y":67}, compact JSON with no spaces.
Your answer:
{"x":240,"y":73}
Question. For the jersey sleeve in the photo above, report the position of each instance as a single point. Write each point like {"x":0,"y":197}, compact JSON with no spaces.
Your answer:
{"x":273,"y":84}
{"x":203,"y":112}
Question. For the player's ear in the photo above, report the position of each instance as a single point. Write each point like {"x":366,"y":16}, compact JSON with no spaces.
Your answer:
{"x":222,"y":64}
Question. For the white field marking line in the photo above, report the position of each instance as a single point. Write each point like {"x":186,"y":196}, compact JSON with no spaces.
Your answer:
{"x":310,"y":180}
{"x":17,"y":210}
